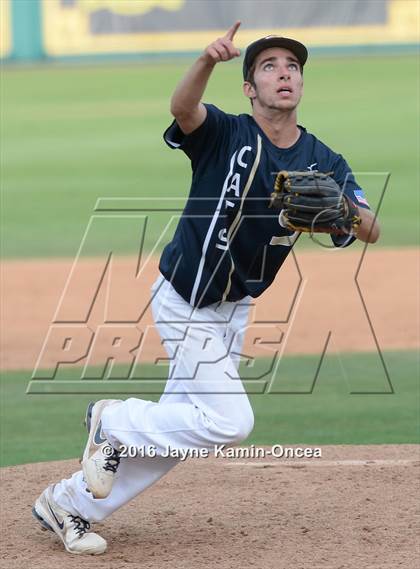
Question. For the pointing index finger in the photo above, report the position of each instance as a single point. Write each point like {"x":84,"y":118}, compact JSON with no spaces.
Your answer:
{"x":230,"y":34}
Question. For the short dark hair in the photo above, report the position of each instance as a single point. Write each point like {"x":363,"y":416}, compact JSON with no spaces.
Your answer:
{"x":250,"y":74}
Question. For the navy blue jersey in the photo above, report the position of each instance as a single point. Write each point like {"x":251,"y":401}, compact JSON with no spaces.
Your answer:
{"x":229,"y":243}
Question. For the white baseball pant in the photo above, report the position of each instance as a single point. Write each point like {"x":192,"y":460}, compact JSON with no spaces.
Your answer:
{"x":204,"y":402}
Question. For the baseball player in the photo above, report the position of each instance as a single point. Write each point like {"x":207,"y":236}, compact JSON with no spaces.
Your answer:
{"x":227,"y":249}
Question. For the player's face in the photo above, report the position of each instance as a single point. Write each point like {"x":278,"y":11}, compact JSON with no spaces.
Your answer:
{"x":278,"y":81}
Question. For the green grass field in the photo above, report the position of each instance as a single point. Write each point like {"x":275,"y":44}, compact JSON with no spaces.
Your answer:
{"x":49,"y":427}
{"x":70,"y":135}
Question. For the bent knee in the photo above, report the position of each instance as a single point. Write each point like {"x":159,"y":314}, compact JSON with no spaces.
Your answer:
{"x":241,"y":428}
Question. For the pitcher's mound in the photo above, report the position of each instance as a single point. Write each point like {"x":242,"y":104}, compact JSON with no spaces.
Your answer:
{"x":353,"y":508}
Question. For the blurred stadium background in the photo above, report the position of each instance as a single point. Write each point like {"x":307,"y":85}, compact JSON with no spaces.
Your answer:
{"x":85,"y":88}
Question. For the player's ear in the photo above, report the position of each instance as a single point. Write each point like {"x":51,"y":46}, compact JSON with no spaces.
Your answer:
{"x":249,"y":90}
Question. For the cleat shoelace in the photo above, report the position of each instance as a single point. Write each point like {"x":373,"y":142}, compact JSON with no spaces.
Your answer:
{"x":81,"y":526}
{"x":112,"y":462}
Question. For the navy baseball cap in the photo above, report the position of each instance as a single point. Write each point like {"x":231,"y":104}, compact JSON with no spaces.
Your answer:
{"x":297,"y":48}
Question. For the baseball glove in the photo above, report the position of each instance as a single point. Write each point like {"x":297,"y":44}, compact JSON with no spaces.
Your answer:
{"x":313,"y":202}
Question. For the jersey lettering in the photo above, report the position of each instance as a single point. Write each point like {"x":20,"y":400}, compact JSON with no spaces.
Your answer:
{"x":222,"y":236}
{"x":235,"y":184}
{"x":241,"y":154}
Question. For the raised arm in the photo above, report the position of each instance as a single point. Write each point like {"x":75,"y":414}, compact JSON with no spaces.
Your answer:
{"x":186,"y":105}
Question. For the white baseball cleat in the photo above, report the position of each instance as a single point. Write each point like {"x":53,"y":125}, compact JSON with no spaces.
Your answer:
{"x":100,"y":459}
{"x":72,"y":530}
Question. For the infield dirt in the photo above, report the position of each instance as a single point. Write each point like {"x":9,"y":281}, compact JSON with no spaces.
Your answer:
{"x":353,"y":509}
